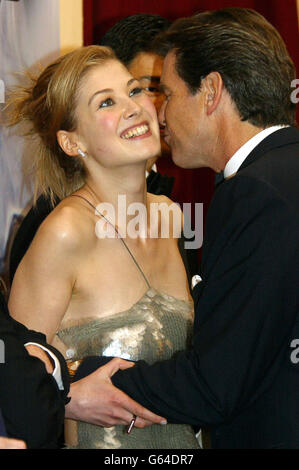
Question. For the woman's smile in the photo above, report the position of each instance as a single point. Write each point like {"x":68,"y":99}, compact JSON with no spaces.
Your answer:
{"x":137,"y":132}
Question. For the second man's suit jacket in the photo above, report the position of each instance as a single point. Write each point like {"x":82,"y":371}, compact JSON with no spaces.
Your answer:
{"x":30,"y":401}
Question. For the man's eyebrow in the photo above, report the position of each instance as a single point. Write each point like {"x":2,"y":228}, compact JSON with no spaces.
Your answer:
{"x":151,"y":78}
{"x":109,"y":90}
{"x":131,"y":81}
{"x":164,"y":88}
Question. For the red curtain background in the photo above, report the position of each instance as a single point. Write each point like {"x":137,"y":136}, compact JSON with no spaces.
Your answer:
{"x":99,"y":15}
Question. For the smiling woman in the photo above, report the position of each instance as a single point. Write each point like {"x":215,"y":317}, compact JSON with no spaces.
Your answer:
{"x":110,"y":107}
{"x":127,"y":295}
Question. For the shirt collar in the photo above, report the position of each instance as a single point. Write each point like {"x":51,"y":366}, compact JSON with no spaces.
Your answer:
{"x":153,"y":168}
{"x":238,"y":158}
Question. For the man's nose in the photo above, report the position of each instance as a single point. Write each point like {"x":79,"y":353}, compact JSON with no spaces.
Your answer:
{"x":158,"y":101}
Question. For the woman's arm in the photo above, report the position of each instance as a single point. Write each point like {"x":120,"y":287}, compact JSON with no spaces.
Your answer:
{"x":43,"y":284}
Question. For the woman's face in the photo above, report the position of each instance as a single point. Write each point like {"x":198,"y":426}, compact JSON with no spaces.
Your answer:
{"x":117,"y":122}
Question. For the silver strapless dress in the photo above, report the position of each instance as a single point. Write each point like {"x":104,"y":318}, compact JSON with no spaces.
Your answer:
{"x":153,"y":329}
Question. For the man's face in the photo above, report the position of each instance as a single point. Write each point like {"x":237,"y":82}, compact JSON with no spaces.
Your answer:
{"x":147,"y":67}
{"x":184,"y":117}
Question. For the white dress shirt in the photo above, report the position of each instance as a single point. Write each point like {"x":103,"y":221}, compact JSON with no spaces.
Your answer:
{"x":57,"y":369}
{"x":238,"y":158}
{"x":153,"y":168}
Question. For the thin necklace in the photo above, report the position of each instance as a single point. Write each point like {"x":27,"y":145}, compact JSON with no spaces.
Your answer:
{"x":118,"y":236}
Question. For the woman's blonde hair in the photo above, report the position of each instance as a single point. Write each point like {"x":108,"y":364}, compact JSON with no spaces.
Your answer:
{"x":48,"y":104}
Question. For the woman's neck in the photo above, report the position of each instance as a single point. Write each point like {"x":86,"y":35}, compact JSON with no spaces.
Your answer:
{"x":120,"y":189}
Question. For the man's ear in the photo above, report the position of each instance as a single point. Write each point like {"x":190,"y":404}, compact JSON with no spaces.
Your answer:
{"x":68,"y":142}
{"x":213,"y":91}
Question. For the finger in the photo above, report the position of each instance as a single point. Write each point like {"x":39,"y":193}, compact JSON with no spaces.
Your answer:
{"x":117,"y":417}
{"x":114,"y":365}
{"x":126,"y":365}
{"x":140,"y":411}
{"x":142,"y":423}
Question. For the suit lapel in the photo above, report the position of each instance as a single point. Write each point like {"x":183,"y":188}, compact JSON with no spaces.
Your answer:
{"x":280,"y":138}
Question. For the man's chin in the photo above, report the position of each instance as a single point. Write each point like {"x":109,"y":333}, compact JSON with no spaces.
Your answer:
{"x":178,"y":161}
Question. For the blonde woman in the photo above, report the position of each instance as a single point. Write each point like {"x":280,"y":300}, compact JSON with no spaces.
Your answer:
{"x":121,"y":295}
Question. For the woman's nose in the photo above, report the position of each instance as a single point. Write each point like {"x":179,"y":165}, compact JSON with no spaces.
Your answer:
{"x":131,"y":109}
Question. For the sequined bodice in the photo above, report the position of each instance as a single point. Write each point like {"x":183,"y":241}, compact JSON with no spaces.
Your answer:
{"x":153,"y":329}
{"x":156,"y":319}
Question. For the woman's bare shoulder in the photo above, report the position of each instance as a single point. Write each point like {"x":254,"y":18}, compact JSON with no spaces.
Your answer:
{"x":67,"y":226}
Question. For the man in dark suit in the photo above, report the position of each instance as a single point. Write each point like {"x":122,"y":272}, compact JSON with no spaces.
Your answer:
{"x":7,"y":442}
{"x":32,"y":404}
{"x":227,"y":78}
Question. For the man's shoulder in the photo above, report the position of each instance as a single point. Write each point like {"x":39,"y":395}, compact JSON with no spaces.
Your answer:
{"x":275,"y":174}
{"x":274,"y":170}
{"x":254,"y":197}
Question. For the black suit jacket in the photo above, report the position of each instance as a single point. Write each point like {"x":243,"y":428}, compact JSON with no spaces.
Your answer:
{"x":241,"y":377}
{"x":31,"y":404}
{"x":2,"y":426}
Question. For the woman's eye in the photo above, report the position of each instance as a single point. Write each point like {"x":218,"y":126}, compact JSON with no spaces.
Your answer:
{"x":106,"y":103}
{"x":135,"y":91}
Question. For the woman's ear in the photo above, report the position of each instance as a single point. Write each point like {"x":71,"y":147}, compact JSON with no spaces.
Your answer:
{"x":68,"y":142}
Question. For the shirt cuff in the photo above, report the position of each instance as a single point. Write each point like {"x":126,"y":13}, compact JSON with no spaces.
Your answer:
{"x":57,"y":369}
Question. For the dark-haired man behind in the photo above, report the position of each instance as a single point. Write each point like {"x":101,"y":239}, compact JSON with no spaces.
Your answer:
{"x":227,"y":78}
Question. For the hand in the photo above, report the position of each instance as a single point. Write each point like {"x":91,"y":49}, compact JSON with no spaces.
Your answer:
{"x":7,"y":443}
{"x":42,"y":355}
{"x":95,"y":400}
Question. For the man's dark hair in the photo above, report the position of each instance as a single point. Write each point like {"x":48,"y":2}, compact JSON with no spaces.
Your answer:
{"x":249,"y":54}
{"x":134,"y":34}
